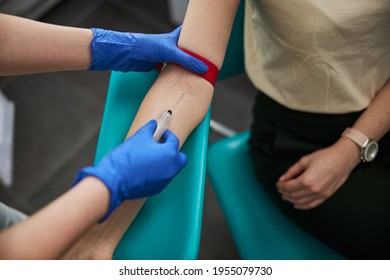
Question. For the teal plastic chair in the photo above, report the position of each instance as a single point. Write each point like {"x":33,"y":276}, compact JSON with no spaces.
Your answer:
{"x":260,"y":230}
{"x":169,"y":224}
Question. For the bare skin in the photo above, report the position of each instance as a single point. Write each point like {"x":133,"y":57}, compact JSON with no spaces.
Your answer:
{"x":59,"y":48}
{"x":51,"y":231}
{"x":197,"y":36}
{"x":50,"y":47}
{"x":317,"y":176}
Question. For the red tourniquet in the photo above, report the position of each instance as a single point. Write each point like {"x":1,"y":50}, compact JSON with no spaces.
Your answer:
{"x":211,"y":74}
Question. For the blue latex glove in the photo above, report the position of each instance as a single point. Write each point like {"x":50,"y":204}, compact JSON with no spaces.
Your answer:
{"x":139,"y":167}
{"x":121,"y":51}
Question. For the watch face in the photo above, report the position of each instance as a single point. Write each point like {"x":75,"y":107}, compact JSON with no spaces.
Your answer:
{"x":370,"y":151}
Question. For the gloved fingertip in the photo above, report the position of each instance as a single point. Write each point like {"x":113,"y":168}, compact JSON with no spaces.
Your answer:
{"x":150,"y":126}
{"x":188,"y":62}
{"x":183,"y":159}
{"x":199,"y":66}
{"x":152,"y":122}
{"x":171,"y":138}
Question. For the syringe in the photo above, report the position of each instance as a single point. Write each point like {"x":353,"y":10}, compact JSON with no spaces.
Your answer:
{"x":164,"y":121}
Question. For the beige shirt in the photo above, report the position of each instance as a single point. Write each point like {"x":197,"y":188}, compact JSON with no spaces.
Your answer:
{"x":324,"y":56}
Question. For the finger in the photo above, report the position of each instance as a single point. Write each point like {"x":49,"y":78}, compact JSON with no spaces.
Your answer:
{"x":293,"y":171}
{"x":149,"y":128}
{"x":184,"y":59}
{"x":189,"y":62}
{"x":297,"y":195}
{"x":304,"y":199}
{"x":292,"y":185}
{"x":183,"y":160}
{"x":170,"y":138}
{"x":310,"y":205}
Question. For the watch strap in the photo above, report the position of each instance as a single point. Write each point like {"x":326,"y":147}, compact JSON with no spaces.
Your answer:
{"x":356,"y":136}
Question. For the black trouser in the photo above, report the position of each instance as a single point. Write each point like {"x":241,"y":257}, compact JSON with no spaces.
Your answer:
{"x":355,"y":221}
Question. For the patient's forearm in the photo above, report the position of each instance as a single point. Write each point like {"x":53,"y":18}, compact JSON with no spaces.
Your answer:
{"x":165,"y":93}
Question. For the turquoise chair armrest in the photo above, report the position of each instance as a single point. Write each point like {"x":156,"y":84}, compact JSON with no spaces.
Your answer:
{"x":169,"y":224}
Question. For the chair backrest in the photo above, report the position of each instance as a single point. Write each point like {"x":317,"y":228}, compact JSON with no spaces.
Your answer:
{"x":260,"y":230}
{"x":233,"y":63}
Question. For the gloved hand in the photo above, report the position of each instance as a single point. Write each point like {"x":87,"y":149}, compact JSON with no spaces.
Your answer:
{"x":139,"y":167}
{"x":121,"y":51}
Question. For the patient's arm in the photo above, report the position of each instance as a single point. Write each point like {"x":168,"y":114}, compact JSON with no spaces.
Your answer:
{"x":206,"y":31}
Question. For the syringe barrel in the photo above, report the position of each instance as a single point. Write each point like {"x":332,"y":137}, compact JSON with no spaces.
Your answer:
{"x":163,"y":123}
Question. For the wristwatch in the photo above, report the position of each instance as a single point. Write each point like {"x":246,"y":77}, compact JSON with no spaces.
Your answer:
{"x":369,"y":148}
